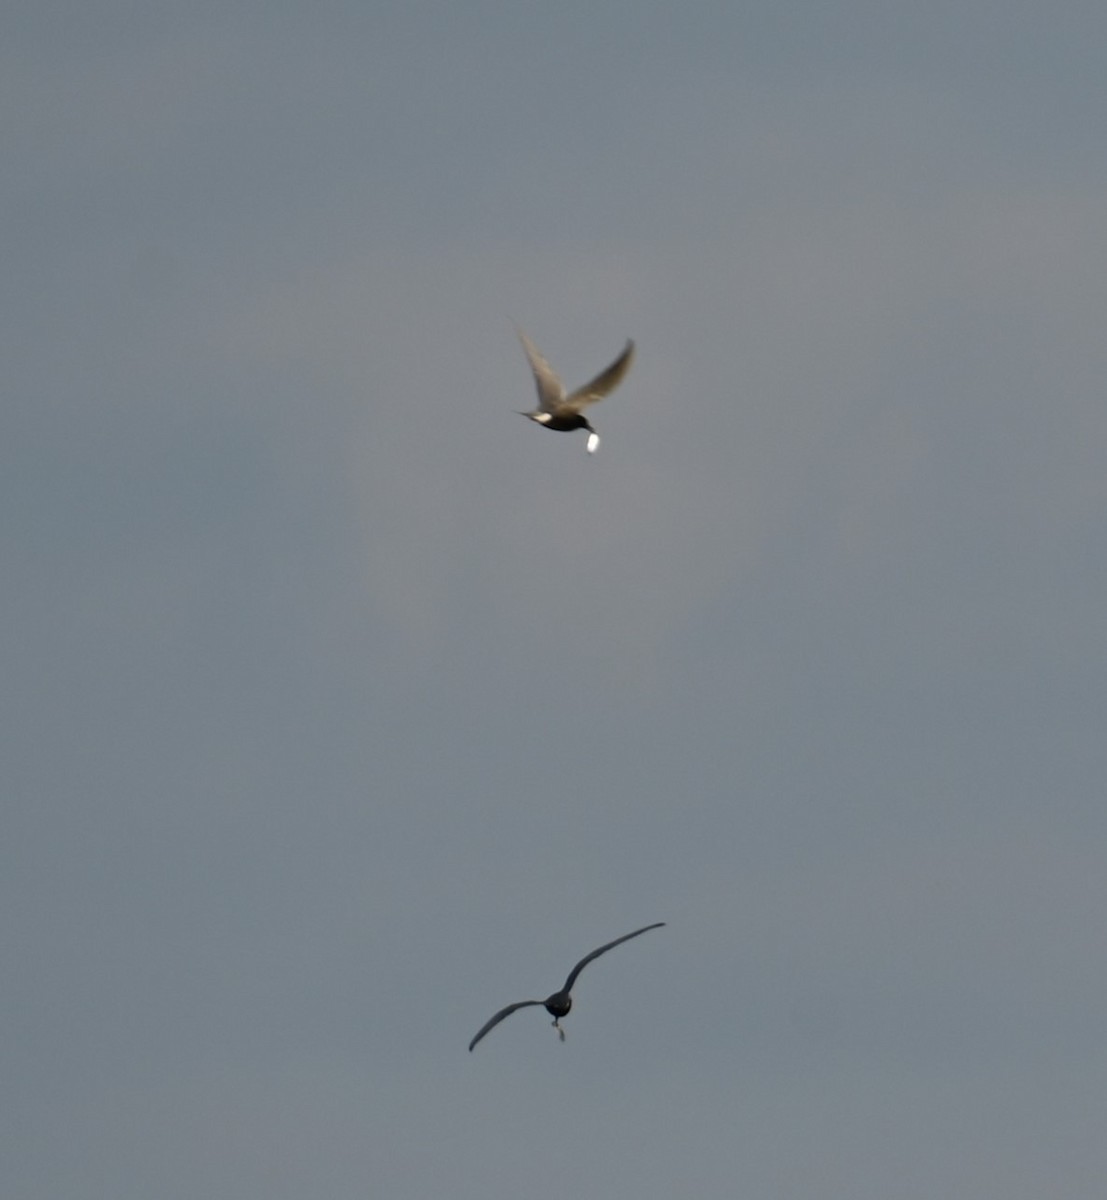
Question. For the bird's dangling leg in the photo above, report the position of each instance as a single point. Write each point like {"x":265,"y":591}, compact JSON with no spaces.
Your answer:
{"x":560,"y":1031}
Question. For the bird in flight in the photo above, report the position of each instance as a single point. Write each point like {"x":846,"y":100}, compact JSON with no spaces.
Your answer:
{"x":564,"y":413}
{"x":560,"y":1002}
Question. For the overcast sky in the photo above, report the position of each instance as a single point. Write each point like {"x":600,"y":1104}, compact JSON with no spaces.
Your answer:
{"x":342,"y":706}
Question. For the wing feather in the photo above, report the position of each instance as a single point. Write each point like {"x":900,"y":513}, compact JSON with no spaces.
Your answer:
{"x":504,"y":1012}
{"x":551,"y":391}
{"x":604,"y":383}
{"x":596,"y":954}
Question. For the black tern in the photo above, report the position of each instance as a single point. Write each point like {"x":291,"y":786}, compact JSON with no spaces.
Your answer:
{"x":564,"y":413}
{"x":559,"y":1003}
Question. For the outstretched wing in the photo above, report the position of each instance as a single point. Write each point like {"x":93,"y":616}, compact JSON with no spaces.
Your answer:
{"x":551,"y":392}
{"x":595,"y":954}
{"x":504,"y":1012}
{"x":604,"y":383}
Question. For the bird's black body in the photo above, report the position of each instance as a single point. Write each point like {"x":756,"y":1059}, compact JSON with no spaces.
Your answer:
{"x":559,"y":1004}
{"x":561,"y":424}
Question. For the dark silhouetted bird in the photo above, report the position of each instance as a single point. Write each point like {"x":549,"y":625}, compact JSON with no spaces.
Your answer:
{"x":564,"y":413}
{"x":559,"y":1003}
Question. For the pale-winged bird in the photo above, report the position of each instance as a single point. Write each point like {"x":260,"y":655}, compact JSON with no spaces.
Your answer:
{"x":560,"y":1002}
{"x":558,"y":411}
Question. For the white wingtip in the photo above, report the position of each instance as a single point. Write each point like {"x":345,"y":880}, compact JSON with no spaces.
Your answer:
{"x":592,"y":445}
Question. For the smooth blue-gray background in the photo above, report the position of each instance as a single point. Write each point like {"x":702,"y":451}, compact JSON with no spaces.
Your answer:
{"x":342,"y":706}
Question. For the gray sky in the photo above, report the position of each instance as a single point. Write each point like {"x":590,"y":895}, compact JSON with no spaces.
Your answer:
{"x":343,"y":707}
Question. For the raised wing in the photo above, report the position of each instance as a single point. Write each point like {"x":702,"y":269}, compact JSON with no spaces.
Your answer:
{"x":551,"y":391}
{"x":504,"y":1012}
{"x":604,"y":383}
{"x":595,"y":954}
